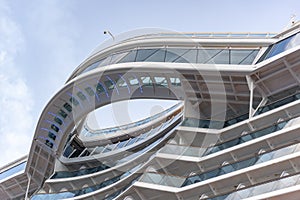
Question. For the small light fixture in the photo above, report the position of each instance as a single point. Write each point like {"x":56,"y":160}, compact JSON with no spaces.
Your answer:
{"x":109,"y":33}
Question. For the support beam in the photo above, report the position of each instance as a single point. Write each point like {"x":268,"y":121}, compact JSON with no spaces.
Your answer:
{"x":251,"y":88}
{"x":28,"y":185}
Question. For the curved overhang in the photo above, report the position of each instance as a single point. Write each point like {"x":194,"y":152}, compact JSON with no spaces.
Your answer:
{"x":185,"y":42}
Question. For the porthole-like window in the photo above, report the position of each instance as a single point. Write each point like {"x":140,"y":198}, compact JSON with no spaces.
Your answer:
{"x":68,"y":107}
{"x":62,"y":113}
{"x":51,"y":135}
{"x":57,"y":120}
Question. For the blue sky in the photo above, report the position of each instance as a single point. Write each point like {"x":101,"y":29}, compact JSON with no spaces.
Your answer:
{"x":42,"y":42}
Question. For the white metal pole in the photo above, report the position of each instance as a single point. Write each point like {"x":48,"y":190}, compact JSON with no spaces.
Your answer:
{"x":28,"y":185}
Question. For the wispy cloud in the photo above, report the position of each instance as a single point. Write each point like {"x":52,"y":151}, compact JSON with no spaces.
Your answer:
{"x":16,"y":124}
{"x":37,"y":53}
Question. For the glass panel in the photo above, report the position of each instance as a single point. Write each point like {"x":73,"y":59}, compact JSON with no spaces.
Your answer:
{"x":281,"y":46}
{"x":235,"y":166}
{"x":106,"y":61}
{"x":173,"y":54}
{"x":295,"y":41}
{"x":162,"y":179}
{"x":205,"y":55}
{"x":277,"y":104}
{"x":13,"y":170}
{"x":249,"y":60}
{"x":116,"y":57}
{"x":188,"y":57}
{"x":240,"y":56}
{"x":158,"y":56}
{"x":221,"y":58}
{"x":130,"y":57}
{"x":132,"y":141}
{"x":227,"y":169}
{"x":263,"y":188}
{"x":143,"y":54}
{"x":121,"y":144}
{"x":92,"y":66}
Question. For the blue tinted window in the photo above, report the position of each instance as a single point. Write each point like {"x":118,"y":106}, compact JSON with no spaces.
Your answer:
{"x":280,"y":47}
{"x":12,"y":170}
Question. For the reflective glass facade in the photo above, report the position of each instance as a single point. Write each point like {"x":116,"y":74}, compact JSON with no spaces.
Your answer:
{"x":180,"y":55}
{"x":281,"y":46}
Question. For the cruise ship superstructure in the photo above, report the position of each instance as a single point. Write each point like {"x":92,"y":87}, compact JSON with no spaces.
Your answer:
{"x":233,"y":132}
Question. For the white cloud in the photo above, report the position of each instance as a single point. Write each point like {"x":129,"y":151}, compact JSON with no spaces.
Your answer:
{"x":16,"y":124}
{"x":50,"y":34}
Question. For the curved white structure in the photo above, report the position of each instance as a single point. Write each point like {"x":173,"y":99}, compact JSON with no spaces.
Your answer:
{"x":233,"y":133}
